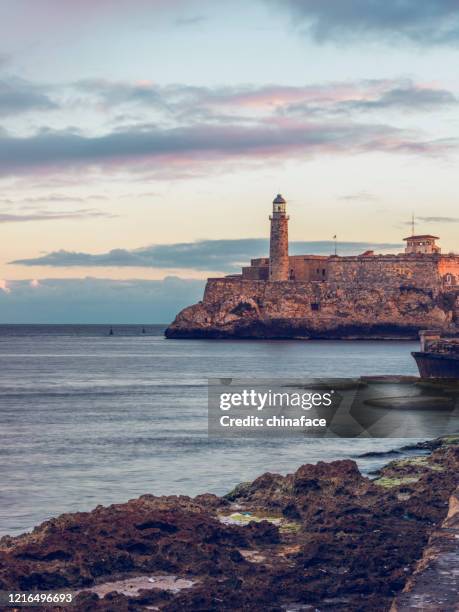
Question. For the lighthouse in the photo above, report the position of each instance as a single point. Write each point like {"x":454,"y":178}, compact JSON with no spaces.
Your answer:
{"x":278,"y":245}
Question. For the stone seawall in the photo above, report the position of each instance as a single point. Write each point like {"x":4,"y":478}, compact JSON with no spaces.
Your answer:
{"x":434,"y":584}
{"x":233,"y":307}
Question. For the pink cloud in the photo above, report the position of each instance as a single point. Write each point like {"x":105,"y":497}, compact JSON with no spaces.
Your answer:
{"x":275,"y":95}
{"x":4,"y":286}
{"x":183,"y":100}
{"x":199,"y":147}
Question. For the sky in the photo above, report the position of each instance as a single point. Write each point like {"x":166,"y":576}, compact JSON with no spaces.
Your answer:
{"x":142,"y":142}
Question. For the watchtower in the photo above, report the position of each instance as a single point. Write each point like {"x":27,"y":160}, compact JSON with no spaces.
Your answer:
{"x":423,"y":244}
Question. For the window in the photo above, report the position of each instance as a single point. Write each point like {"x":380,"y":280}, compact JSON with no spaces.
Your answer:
{"x":315,"y":306}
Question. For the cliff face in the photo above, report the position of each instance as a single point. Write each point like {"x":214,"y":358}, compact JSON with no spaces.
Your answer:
{"x":234,"y":307}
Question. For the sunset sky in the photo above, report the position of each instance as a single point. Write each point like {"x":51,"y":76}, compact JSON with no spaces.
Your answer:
{"x":142,"y":142}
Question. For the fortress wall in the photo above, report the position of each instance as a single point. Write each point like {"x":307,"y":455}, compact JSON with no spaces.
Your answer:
{"x":386,"y":271}
{"x":274,"y":296}
{"x":392,"y":270}
{"x":222,"y":289}
{"x":309,"y":267}
{"x":283,"y":296}
{"x":302,"y":268}
{"x":255,"y":273}
{"x":449,"y":264}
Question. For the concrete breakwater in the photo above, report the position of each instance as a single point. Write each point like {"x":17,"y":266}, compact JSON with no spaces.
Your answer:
{"x":322,"y":537}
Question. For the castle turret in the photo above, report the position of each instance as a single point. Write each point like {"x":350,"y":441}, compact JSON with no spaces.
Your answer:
{"x":278,"y":246}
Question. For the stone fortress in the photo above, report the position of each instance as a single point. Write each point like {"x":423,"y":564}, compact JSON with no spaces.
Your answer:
{"x":313,"y":296}
{"x":279,"y":266}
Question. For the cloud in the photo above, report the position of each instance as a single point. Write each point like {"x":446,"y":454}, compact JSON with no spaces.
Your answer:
{"x":361,"y":196}
{"x":409,"y":97}
{"x":189,"y":21}
{"x":402,"y":95}
{"x":4,"y":286}
{"x":52,"y":198}
{"x":92,"y":300}
{"x":114,"y":93}
{"x":47,"y":215}
{"x":4,"y":59}
{"x":19,"y":96}
{"x":437,"y":219}
{"x":337,"y":96}
{"x":192,"y":128}
{"x":426,"y":22}
{"x":225,"y":256}
{"x":156,"y":148}
{"x":178,"y":98}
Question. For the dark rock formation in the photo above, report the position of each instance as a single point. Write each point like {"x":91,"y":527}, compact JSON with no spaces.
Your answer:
{"x":324,"y":536}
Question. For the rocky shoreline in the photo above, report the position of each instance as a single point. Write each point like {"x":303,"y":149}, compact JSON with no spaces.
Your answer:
{"x":322,"y":538}
{"x":287,"y":329}
{"x":237,"y":308}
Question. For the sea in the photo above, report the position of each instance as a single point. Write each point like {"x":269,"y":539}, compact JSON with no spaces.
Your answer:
{"x":88,"y":417}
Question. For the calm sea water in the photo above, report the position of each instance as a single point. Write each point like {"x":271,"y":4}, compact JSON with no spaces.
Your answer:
{"x":87,"y":418}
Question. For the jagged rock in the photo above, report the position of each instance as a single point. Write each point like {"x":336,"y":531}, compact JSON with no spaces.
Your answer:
{"x":324,"y":536}
{"x":233,"y":307}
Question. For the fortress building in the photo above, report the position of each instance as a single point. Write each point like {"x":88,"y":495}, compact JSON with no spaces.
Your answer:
{"x":329,"y":296}
{"x":421,"y":245}
{"x":422,"y":257}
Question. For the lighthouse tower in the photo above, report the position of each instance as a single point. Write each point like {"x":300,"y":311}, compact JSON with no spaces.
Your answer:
{"x":278,"y":246}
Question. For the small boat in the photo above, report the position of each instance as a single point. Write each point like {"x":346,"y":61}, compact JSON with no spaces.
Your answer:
{"x":438,"y":357}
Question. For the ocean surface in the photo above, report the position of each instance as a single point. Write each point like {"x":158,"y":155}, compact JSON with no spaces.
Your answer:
{"x":89,"y":418}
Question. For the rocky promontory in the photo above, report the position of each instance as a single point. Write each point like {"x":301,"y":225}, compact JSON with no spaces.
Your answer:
{"x":238,"y":308}
{"x":322,"y":538}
